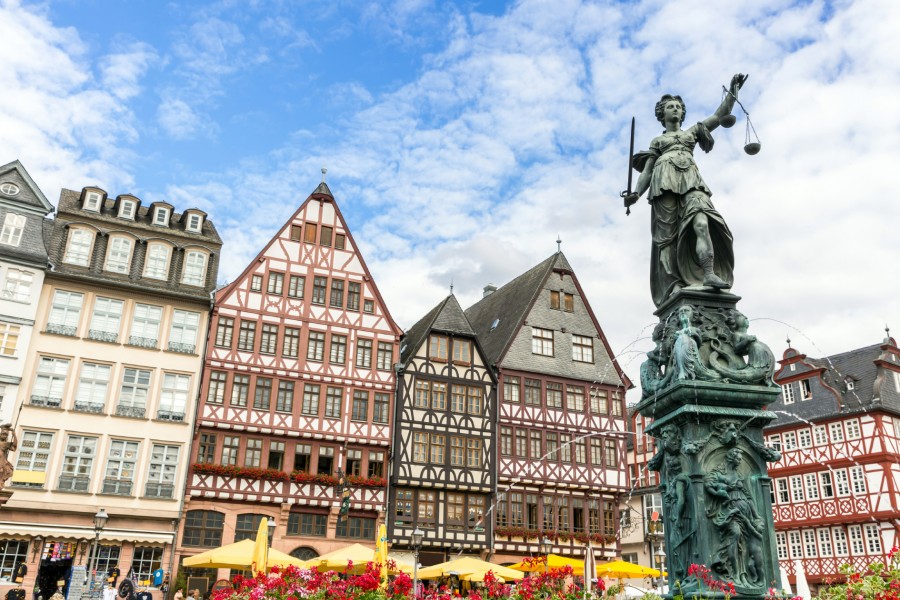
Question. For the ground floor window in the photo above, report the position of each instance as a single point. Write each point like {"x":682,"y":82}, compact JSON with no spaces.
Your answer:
{"x":12,"y":552}
{"x":146,"y":560}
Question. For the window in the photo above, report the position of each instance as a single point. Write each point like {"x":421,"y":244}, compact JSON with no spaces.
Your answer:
{"x":805,"y":392}
{"x":533,"y":392}
{"x":161,"y":216}
{"x":611,"y":454}
{"x":381,"y":408}
{"x":796,"y":489}
{"x":426,"y":512}
{"x":554,"y":300}
{"x":34,"y":451}
{"x":146,"y":560}
{"x":522,"y":443}
{"x":78,"y":462}
{"x":256,"y":283}
{"x":224,"y":331}
{"x":575,"y":398}
{"x":827,"y":487}
{"x":353,"y":293}
{"x":18,"y":285}
{"x":276,"y":455}
{"x":145,"y":325}
{"x":541,"y":341}
{"x":873,"y":538}
{"x":854,"y":532}
{"x":812,"y":486}
{"x":511,"y":389}
{"x":360,"y":405}
{"x":858,"y":479}
{"x":9,"y":339}
{"x":326,"y":460}
{"x":310,"y":399}
{"x":173,"y":396}
{"x":462,"y":352}
{"x":106,"y":320}
{"x":296,"y":232}
{"x":50,"y":381}
{"x":820,"y":435}
{"x":534,"y":446}
{"x":354,"y":462}
{"x":296,"y":283}
{"x":841,"y":482}
{"x":284,"y":400}
{"x":126,"y":209}
{"x":216,"y":392}
{"x":134,"y":391}
{"x":568,"y":302}
{"x":853,"y":431}
{"x":364,"y":354}
{"x":554,"y":395}
{"x":240,"y":390}
{"x":368,"y":306}
{"x":796,"y":544}
{"x":782,"y":491}
{"x":565,"y":447}
{"x":790,"y":440}
{"x":319,"y":286}
{"x":262,"y":396}
{"x":231,"y":446}
{"x":92,"y":386}
{"x":809,"y":543}
{"x":376,"y":464}
{"x":474,"y":455}
{"x":253,"y":453}
{"x":337,"y":293}
{"x":357,"y":528}
{"x":194,"y":268}
{"x":804,"y":438}
{"x":276,"y":283}
{"x":437,"y":348}
{"x":268,"y":342}
{"x":552,"y":446}
{"x":203,"y":528}
{"x":338,"y":352}
{"x":339,"y":241}
{"x":615,"y":404}
{"x":65,"y":310}
{"x":311,"y":524}
{"x":183,"y":334}
{"x":824,"y":542}
{"x":315,"y":349}
{"x":302,"y":452}
{"x":836,"y":432}
{"x":290,"y":345}
{"x":78,"y":250}
{"x":13,"y":226}
{"x":582,"y":349}
{"x":247,"y":335}
{"x":206,"y":452}
{"x":457,"y":451}
{"x":156,"y":264}
{"x":474,"y":400}
{"x":506,"y":441}
{"x":333,"y":399}
{"x":385,"y":357}
{"x":194,"y":222}
{"x":325,"y":235}
{"x":120,"y":467}
{"x":118,"y":258}
{"x":840,"y":541}
{"x":788,"y":392}
{"x":9,"y":188}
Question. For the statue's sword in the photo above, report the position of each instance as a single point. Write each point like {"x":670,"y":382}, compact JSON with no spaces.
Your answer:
{"x":627,"y":192}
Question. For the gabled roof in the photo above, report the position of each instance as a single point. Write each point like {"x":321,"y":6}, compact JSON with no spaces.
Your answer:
{"x":446,"y":317}
{"x":31,"y":196}
{"x":508,"y":306}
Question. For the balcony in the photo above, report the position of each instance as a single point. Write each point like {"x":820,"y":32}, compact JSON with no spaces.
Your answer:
{"x":137,"y":412}
{"x":73,"y":483}
{"x":60,"y":329}
{"x":182,"y":348}
{"x":170,"y":415}
{"x":142,"y":342}
{"x":45,"y":401}
{"x":159,"y":490}
{"x":121,"y":487}
{"x":103,"y":336}
{"x":96,"y":408}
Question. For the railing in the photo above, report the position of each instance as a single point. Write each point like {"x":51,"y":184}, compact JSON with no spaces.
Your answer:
{"x":60,"y":329}
{"x":131,"y":411}
{"x":89,"y":407}
{"x":143,"y":342}
{"x":159,"y":490}
{"x":121,"y":487}
{"x":182,"y":348}
{"x":103,"y":336}
{"x":169,"y":415}
{"x":72,"y":483}
{"x":45,"y":401}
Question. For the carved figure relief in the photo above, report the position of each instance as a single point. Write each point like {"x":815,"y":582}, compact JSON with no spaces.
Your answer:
{"x":677,"y":502}
{"x":8,"y":443}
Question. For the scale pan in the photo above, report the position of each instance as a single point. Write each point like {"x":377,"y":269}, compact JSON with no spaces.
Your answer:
{"x":727,"y":121}
{"x":752,"y":148}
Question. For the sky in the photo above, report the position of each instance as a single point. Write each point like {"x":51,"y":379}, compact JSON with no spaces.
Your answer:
{"x":463,"y":138}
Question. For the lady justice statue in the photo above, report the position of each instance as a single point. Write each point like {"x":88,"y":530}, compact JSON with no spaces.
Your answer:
{"x":692,"y":245}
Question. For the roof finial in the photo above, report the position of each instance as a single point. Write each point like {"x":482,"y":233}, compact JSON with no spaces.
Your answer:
{"x":789,"y":340}
{"x":324,"y":170}
{"x":887,"y":331}
{"x":451,"y":287}
{"x":558,"y":243}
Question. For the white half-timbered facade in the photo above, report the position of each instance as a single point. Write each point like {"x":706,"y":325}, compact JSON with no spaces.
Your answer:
{"x":443,"y":464}
{"x":298,"y":390}
{"x":561,"y":433}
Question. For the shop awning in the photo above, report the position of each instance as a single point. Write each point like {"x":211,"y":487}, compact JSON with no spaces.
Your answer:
{"x":52,"y":532}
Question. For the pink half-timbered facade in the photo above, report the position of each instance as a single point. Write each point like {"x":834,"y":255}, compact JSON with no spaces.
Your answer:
{"x":561,"y":434}
{"x":298,"y":390}
{"x":834,"y":491}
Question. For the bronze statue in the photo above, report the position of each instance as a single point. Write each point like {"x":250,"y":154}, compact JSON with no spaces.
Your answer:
{"x":679,"y":521}
{"x":692,"y":245}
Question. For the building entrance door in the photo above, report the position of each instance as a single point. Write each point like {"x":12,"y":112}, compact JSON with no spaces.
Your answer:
{"x":55,"y":569}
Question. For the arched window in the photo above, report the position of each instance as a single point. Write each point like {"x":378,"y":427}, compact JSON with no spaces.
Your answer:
{"x":156,"y":265}
{"x":118,"y":258}
{"x":203,"y":528}
{"x":78,"y":250}
{"x":304,"y":553}
{"x":194,"y":268}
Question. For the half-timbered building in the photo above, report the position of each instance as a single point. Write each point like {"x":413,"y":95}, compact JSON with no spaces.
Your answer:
{"x":443,"y":460}
{"x":834,"y":489}
{"x":298,"y":387}
{"x":561,"y":426}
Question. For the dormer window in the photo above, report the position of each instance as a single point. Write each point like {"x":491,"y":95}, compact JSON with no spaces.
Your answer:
{"x":118,"y":259}
{"x":78,"y":250}
{"x":161,"y":216}
{"x":127,"y":209}
{"x":92,"y":201}
{"x":194,"y":222}
{"x":194,"y":268}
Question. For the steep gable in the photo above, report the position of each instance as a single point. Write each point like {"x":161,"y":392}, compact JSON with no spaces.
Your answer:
{"x":25,"y":195}
{"x":446,"y":317}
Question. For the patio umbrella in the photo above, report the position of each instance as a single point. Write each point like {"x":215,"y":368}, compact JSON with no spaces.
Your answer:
{"x":261,"y":548}
{"x":468,"y":565}
{"x":357,"y":554}
{"x":620,"y":569}
{"x":479,"y":576}
{"x":550,"y":562}
{"x":238,"y":556}
{"x":801,"y":584}
{"x":590,"y":569}
{"x":381,"y":554}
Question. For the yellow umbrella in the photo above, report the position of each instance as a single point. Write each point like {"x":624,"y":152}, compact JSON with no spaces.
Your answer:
{"x":238,"y":556}
{"x":479,"y":576}
{"x":468,"y":565}
{"x":357,"y":554}
{"x":550,"y":562}
{"x":620,"y":569}
{"x":381,"y":554}
{"x":261,"y":548}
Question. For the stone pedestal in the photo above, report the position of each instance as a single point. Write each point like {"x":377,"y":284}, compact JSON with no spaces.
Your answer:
{"x":706,"y":385}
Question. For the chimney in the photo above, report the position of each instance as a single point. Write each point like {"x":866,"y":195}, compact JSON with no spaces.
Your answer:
{"x":488,"y":290}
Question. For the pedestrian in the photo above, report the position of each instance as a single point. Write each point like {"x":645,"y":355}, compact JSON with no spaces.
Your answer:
{"x":179,"y":594}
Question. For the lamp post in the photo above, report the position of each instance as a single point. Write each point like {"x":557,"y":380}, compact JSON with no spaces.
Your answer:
{"x":660,"y":561}
{"x":544,"y":548}
{"x":270,"y":537}
{"x":417,"y":536}
{"x":100,"y":520}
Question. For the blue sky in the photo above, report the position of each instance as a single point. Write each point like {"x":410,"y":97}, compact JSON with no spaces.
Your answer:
{"x":462,"y":137}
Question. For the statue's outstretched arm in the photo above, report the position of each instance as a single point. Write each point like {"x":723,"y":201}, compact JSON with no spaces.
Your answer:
{"x":727,"y":104}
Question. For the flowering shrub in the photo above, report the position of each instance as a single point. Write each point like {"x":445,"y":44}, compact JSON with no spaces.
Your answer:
{"x":331,"y":480}
{"x":707,"y":585}
{"x":883,"y":582}
{"x":560,"y":536}
{"x":234,"y":471}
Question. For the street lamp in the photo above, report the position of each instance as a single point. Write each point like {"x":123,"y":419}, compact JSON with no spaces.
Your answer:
{"x":544,"y":548}
{"x":417,"y":536}
{"x":661,"y":560}
{"x":270,"y":537}
{"x":100,"y":520}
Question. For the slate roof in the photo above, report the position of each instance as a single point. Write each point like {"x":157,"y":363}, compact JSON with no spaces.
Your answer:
{"x":446,"y":317}
{"x":30,"y":203}
{"x":29,"y":195}
{"x":510,"y":304}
